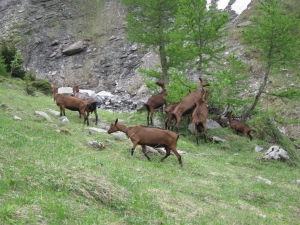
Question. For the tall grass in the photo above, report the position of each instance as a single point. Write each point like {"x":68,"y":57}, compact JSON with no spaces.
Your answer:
{"x":48,"y":177}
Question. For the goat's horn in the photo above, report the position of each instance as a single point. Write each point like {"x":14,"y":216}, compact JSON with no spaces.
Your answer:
{"x":116,"y":121}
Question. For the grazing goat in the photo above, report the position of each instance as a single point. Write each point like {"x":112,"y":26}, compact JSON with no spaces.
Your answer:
{"x":238,"y":126}
{"x":187,"y":104}
{"x":88,"y":99}
{"x":73,"y":104}
{"x":151,"y":136}
{"x":199,"y":116}
{"x":156,"y":102}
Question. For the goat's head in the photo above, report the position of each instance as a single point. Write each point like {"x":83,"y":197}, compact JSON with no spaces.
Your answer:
{"x":54,"y":89}
{"x":161,"y":84}
{"x":113,"y":127}
{"x":228,"y":113}
{"x":76,"y":88}
{"x":202,"y":83}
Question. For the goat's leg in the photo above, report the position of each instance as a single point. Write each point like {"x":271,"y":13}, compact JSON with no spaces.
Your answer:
{"x":96,"y":114}
{"x":196,"y":133}
{"x":145,"y":152}
{"x":167,"y":154}
{"x":62,"y":110}
{"x":133,"y":147}
{"x":151,"y":116}
{"x":148,"y":113}
{"x":204,"y":133}
{"x":248,"y":134}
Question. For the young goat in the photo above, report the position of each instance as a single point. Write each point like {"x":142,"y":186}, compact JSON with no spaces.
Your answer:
{"x":151,"y":136}
{"x":187,"y":104}
{"x":199,"y":116}
{"x":238,"y":126}
{"x":156,"y":102}
{"x":73,"y":104}
{"x":88,"y":99}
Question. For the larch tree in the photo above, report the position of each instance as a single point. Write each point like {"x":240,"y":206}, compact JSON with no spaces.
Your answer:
{"x":275,"y":35}
{"x":199,"y":34}
{"x":149,"y":23}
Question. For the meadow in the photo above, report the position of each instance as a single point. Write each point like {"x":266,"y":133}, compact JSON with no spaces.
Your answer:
{"x":48,"y":177}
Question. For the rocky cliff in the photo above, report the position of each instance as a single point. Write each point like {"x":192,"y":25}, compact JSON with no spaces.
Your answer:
{"x":75,"y":42}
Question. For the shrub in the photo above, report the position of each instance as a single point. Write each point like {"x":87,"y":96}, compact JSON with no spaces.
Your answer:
{"x":42,"y":85}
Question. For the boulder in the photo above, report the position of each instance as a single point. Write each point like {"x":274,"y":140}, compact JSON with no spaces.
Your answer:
{"x":75,"y":48}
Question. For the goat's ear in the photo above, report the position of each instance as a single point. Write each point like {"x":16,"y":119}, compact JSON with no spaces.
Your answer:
{"x":116,"y":121}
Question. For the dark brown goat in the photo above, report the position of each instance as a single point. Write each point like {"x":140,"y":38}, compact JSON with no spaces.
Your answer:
{"x":156,"y":102}
{"x":88,"y":99}
{"x":238,"y":126}
{"x":73,"y":104}
{"x":199,"y":116}
{"x":187,"y":104}
{"x":151,"y":136}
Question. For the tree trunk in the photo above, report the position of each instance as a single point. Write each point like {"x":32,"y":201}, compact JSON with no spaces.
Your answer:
{"x":257,"y":96}
{"x":164,"y":65}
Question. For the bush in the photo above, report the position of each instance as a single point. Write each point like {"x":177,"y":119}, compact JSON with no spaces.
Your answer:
{"x":3,"y":72}
{"x":42,"y":85}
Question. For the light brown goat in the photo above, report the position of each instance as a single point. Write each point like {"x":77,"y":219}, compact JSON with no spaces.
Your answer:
{"x":156,"y":102}
{"x":73,"y":104}
{"x":187,"y":104}
{"x":238,"y":126}
{"x":200,"y":115}
{"x":88,"y":99}
{"x":150,"y":136}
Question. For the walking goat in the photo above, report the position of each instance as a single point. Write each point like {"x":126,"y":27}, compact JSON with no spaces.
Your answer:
{"x":150,"y":136}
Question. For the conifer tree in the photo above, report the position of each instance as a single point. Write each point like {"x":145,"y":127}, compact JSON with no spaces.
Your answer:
{"x":198,"y":35}
{"x":149,"y":23}
{"x":275,"y":35}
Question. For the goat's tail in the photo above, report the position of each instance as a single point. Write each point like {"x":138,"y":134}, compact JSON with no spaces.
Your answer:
{"x":182,"y":134}
{"x":200,"y":126}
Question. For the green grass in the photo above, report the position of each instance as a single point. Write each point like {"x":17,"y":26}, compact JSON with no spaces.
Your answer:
{"x":51,"y":178}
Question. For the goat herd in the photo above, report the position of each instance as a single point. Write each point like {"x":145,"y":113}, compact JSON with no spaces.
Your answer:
{"x":194,"y":103}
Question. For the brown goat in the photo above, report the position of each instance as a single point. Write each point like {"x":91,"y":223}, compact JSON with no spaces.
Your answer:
{"x":199,"y":116}
{"x":54,"y":90}
{"x":156,"y":102}
{"x":238,"y":126}
{"x":187,"y":104}
{"x":169,"y":111}
{"x":88,"y":99}
{"x":151,"y":136}
{"x":73,"y":104}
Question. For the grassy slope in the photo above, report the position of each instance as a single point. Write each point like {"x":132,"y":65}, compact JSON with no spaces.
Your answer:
{"x":50,"y":178}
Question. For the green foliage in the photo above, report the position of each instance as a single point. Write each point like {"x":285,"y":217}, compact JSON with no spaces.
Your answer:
{"x":289,"y":92}
{"x":274,"y":34}
{"x":13,"y":60}
{"x":179,"y":87}
{"x":3,"y":71}
{"x":42,"y":85}
{"x":230,"y":83}
{"x":198,"y":35}
{"x":33,"y":84}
